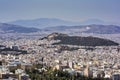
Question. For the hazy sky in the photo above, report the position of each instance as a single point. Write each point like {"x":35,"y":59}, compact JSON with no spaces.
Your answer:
{"x":73,"y":10}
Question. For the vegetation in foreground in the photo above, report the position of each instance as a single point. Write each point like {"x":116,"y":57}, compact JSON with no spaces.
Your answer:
{"x":49,"y":74}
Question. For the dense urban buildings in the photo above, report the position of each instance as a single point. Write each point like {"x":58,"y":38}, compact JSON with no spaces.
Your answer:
{"x":17,"y":56}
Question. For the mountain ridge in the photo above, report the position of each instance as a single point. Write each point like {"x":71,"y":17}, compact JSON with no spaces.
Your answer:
{"x":50,"y":22}
{"x":94,"y":28}
{"x":43,"y":22}
{"x":10,"y":28}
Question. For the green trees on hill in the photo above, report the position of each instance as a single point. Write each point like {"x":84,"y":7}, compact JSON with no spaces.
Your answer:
{"x":84,"y":41}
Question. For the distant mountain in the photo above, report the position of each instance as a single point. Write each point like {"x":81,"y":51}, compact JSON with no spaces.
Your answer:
{"x":103,"y":29}
{"x":51,"y":22}
{"x":43,"y":22}
{"x":10,"y":28}
{"x":93,"y":21}
{"x":99,"y":29}
{"x":81,"y":41}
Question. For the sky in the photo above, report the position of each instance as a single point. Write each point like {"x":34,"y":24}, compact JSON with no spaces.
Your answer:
{"x":72,"y":10}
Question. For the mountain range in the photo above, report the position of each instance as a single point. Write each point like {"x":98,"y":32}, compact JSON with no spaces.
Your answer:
{"x":50,"y":22}
{"x":54,"y":25}
{"x":98,"y":29}
{"x":43,"y":23}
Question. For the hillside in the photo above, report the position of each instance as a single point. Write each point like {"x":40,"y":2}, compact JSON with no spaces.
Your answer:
{"x":10,"y":28}
{"x":94,"y":28}
{"x":103,"y":29}
{"x":81,"y":41}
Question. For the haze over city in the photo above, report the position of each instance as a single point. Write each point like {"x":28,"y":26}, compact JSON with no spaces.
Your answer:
{"x":77,"y":10}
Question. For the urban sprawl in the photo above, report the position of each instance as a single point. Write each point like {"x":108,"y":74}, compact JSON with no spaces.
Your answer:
{"x":95,"y":62}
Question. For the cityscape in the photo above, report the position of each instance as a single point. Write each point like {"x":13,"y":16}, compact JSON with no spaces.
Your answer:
{"x":59,"y":40}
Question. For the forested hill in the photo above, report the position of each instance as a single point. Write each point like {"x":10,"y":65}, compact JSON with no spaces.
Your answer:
{"x":81,"y":41}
